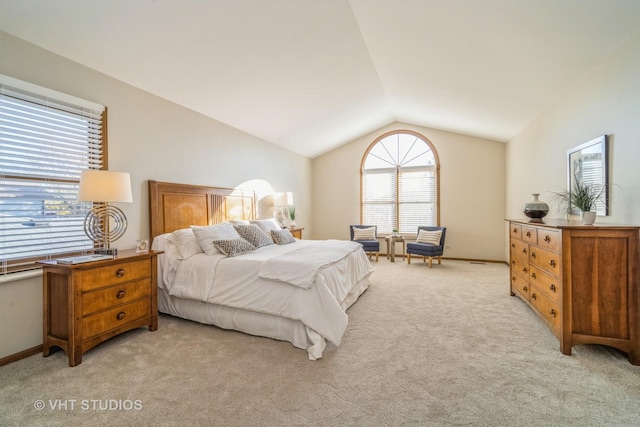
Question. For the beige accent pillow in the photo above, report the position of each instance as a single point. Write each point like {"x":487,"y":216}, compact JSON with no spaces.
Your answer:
{"x":267,"y":225}
{"x":234,"y":247}
{"x":432,"y":237}
{"x":282,"y":237}
{"x":368,"y":233}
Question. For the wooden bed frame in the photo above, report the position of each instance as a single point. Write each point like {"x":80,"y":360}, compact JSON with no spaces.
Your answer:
{"x":176,"y":206}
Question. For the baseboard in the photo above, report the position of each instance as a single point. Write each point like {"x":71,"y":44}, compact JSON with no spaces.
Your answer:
{"x":22,"y":355}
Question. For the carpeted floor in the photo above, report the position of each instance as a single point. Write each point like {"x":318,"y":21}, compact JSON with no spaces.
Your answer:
{"x":429,"y":347}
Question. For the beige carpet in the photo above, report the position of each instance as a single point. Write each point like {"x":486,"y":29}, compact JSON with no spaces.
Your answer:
{"x":446,"y":346}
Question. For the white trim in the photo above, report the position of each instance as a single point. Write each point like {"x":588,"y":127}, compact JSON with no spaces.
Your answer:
{"x":50,"y":93}
{"x":21,"y":275}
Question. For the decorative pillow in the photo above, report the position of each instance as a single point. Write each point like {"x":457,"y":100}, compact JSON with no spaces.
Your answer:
{"x":239,"y":221}
{"x":282,"y":237}
{"x":186,"y":242}
{"x":368,"y":233}
{"x":254,"y":235}
{"x":234,"y":247}
{"x":432,"y":237}
{"x":267,"y":225}
{"x":208,"y":233}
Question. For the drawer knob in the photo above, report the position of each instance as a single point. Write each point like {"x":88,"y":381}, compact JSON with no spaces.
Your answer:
{"x":524,"y":289}
{"x":528,"y":234}
{"x":524,"y":251}
{"x":534,"y":296}
{"x":513,"y":246}
{"x":120,"y":294}
{"x":513,"y":278}
{"x":121,"y":315}
{"x":513,"y":262}
{"x":515,"y":230}
{"x":552,"y":263}
{"x":552,"y":312}
{"x":533,"y":275}
{"x":120,"y":272}
{"x":525,"y":269}
{"x":552,"y":287}
{"x":533,"y":255}
{"x":547,"y":238}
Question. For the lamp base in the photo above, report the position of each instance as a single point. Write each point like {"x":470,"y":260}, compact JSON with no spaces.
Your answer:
{"x":113,"y":251}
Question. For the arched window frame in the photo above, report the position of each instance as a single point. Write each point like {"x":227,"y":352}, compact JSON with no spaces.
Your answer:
{"x":397,"y":223}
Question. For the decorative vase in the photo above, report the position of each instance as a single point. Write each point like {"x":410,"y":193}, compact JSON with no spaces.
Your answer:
{"x":589,"y":217}
{"x":536,"y":209}
{"x":292,"y":224}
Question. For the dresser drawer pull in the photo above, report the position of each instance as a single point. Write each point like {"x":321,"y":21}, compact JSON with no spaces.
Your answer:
{"x":547,"y":238}
{"x":534,"y":296}
{"x":533,"y":276}
{"x":513,"y":246}
{"x":524,"y":251}
{"x":121,"y":315}
{"x":513,"y":262}
{"x":552,"y":263}
{"x":120,"y":294}
{"x":525,"y":270}
{"x":552,"y":312}
{"x":528,"y":234}
{"x":515,"y":230}
{"x":525,"y":289}
{"x":120,"y":272}
{"x":552,"y":287}
{"x":533,"y":255}
{"x":513,"y":278}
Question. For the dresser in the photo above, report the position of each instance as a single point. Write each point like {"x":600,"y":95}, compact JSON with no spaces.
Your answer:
{"x":581,"y":280}
{"x":86,"y":304}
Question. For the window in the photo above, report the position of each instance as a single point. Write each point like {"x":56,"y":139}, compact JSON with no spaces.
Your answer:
{"x":46,"y":140}
{"x":399,"y":183}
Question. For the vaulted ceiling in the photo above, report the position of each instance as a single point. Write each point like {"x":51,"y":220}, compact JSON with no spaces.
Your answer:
{"x":310,"y":75}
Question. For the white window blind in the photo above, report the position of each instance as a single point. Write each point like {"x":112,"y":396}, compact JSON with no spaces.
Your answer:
{"x":46,"y":140}
{"x":399,"y":184}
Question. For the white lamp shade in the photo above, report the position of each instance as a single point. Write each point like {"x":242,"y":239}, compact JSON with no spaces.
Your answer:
{"x":283,"y":199}
{"x":105,"y":186}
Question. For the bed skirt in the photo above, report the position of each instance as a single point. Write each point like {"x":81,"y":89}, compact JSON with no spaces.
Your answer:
{"x":254,"y":323}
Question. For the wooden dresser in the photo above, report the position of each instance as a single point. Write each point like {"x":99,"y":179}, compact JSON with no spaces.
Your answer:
{"x":86,"y":304}
{"x":582,"y":280}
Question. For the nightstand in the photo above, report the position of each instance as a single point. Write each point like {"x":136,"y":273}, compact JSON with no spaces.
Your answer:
{"x":296,"y":232}
{"x":391,"y":247}
{"x":86,"y":304}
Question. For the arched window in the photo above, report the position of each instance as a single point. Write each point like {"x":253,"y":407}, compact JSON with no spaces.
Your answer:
{"x":399,"y":183}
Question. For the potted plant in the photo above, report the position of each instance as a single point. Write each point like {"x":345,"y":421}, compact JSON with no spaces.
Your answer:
{"x":292,"y":217}
{"x":582,"y":196}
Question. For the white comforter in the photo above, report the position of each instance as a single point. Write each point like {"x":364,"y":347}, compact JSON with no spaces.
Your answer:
{"x":237,"y":282}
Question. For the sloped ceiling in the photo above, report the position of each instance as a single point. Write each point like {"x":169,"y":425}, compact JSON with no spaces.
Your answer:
{"x":310,"y":75}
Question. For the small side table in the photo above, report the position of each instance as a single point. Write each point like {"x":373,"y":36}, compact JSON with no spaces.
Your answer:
{"x":391,"y":247}
{"x":296,"y":232}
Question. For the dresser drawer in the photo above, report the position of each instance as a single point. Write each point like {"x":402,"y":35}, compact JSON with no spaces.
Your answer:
{"x":529,"y":234}
{"x":114,"y":274}
{"x":520,"y":267}
{"x":116,"y":295}
{"x":549,"y":239}
{"x":546,"y":260}
{"x":520,"y":286}
{"x":548,"y":309}
{"x":119,"y":316}
{"x":520,"y":249}
{"x":546,"y":283}
{"x":516,"y":231}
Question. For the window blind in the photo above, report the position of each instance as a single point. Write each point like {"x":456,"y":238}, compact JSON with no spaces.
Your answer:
{"x":46,"y":140}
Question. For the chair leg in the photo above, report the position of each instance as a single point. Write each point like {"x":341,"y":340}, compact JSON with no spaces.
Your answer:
{"x":409,"y":259}
{"x":377,"y":255}
{"x":439,"y":260}
{"x":430,"y":260}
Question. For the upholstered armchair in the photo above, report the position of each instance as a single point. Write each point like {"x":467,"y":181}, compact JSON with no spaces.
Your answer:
{"x":429,"y":244}
{"x":367,"y":236}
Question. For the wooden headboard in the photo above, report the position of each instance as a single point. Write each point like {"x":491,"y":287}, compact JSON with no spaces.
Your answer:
{"x":176,"y":206}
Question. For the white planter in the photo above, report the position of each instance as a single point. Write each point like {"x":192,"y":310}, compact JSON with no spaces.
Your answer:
{"x":588,"y":218}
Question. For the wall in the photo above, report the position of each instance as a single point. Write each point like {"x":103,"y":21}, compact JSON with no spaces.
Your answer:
{"x":150,"y":138}
{"x":607,"y":101}
{"x":471,"y":191}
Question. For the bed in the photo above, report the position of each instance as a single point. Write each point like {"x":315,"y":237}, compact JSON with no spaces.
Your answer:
{"x":296,"y":291}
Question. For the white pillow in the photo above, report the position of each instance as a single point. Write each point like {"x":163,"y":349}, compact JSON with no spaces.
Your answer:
{"x":205,"y":235}
{"x":368,"y":233}
{"x":267,"y":225}
{"x":433,"y":237}
{"x":186,"y":242}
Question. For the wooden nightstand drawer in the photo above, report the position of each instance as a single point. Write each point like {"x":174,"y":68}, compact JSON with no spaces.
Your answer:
{"x":116,"y":295}
{"x":116,"y":317}
{"x":115,"y":273}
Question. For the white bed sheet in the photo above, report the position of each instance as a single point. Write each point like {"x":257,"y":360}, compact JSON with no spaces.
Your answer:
{"x":237,"y":298}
